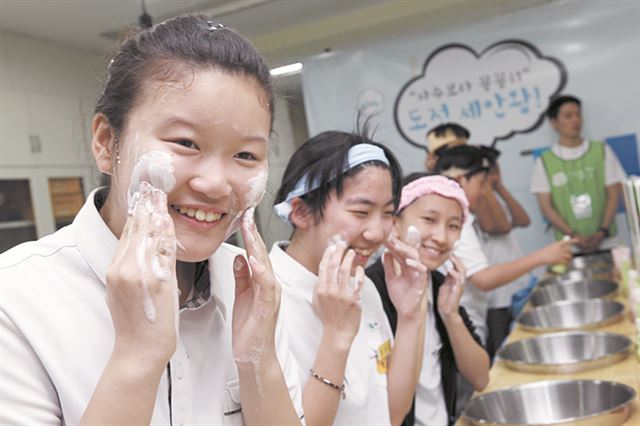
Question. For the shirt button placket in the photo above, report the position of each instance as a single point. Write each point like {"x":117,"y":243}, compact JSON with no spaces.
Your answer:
{"x":181,"y":389}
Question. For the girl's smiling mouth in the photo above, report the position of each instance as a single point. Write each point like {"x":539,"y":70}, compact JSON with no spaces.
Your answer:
{"x":199,"y":215}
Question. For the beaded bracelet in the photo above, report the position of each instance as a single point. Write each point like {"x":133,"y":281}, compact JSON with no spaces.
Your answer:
{"x":329,"y":383}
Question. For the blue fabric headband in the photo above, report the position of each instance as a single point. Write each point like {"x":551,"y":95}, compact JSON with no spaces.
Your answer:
{"x":358,"y":154}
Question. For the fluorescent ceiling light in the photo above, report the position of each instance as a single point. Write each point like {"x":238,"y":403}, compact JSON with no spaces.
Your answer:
{"x":287,"y":69}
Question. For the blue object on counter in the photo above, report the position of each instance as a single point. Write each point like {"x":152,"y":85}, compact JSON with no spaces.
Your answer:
{"x":520,"y":298}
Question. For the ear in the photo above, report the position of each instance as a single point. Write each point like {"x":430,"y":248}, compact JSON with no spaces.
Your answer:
{"x":430,"y":161}
{"x":102,"y":143}
{"x":300,"y":216}
{"x":554,"y":123}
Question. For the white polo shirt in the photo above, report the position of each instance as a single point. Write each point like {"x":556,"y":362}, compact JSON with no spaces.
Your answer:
{"x":613,"y":173}
{"x":474,"y":300}
{"x":430,"y":405}
{"x":57,"y":335}
{"x":501,"y":249}
{"x":366,"y":400}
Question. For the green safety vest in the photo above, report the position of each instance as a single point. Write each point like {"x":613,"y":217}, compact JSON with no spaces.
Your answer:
{"x":584,"y":175}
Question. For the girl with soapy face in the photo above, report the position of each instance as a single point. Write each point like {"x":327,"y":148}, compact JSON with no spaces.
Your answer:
{"x":182,"y":128}
{"x":205,"y":146}
{"x":435,"y":208}
{"x":339,"y":192}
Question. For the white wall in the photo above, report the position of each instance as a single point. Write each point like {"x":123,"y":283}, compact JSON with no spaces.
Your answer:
{"x":598,"y":41}
{"x":38,"y":79}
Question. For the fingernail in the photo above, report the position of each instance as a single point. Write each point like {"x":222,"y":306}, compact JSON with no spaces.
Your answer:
{"x":237,"y":264}
{"x":412,"y":263}
{"x":145,"y":187}
{"x":159,"y":199}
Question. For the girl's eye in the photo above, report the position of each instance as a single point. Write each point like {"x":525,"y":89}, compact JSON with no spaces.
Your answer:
{"x":428,"y":219}
{"x":454,"y":227}
{"x":246,"y":156}
{"x":389,"y":213}
{"x":186,"y":143}
{"x":359,"y":213}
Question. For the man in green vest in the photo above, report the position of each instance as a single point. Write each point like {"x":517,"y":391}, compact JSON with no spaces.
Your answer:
{"x":577,"y":181}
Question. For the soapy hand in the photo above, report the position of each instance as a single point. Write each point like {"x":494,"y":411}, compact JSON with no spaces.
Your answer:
{"x":142,"y":289}
{"x":451,"y":289}
{"x":558,"y":252}
{"x":255,"y":311}
{"x":406,"y":276}
{"x":335,"y":300}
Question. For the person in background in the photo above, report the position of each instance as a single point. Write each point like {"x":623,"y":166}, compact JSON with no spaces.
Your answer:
{"x":339,"y":191}
{"x":498,"y":213}
{"x":470,"y":167}
{"x":437,"y":207}
{"x":577,"y":182}
{"x":137,"y":312}
{"x":443,"y":136}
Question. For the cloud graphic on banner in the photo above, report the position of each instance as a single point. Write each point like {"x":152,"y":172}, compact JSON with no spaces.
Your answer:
{"x":502,"y":91}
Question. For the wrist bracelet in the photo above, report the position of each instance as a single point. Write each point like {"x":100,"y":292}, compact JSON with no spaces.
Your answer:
{"x":328,"y":383}
{"x":604,"y":230}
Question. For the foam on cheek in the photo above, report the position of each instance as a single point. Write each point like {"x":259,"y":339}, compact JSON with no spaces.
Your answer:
{"x":155,"y":168}
{"x":234,"y":224}
{"x":413,"y":236}
{"x":257,"y":188}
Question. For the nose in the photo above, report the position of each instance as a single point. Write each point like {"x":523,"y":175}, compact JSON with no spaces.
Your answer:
{"x":210,"y":178}
{"x":439,"y":234}
{"x":375,"y":230}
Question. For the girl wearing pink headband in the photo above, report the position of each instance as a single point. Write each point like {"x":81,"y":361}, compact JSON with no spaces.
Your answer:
{"x":435,"y":208}
{"x":340,"y":191}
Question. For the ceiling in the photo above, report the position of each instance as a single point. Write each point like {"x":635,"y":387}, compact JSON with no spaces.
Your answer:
{"x":285,"y":30}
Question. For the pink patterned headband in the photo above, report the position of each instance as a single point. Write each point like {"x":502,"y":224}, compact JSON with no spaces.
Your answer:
{"x":434,"y":184}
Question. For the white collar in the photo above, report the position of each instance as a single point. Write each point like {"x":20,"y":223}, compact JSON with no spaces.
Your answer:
{"x":570,"y":153}
{"x":95,"y":241}
{"x":291,"y":273}
{"x":219,"y":269}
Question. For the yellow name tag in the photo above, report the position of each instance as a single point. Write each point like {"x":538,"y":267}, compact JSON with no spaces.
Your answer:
{"x":384,"y":350}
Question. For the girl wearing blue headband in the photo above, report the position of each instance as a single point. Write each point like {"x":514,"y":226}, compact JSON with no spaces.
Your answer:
{"x":339,"y":192}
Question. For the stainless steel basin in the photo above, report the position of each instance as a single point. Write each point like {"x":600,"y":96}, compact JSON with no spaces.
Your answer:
{"x":565,"y":352}
{"x":571,"y":315}
{"x":573,"y":291}
{"x":598,"y":265}
{"x":583,"y":402}
{"x":592,"y":261}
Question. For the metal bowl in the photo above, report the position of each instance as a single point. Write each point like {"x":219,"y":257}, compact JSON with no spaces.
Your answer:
{"x":584,"y":402}
{"x":592,"y":261}
{"x":573,"y":291}
{"x":565,"y":352}
{"x":571,"y":315}
{"x":577,"y":275}
{"x":566,"y":278}
{"x":598,"y":265}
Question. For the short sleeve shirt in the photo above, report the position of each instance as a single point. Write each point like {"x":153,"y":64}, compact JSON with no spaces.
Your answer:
{"x":57,"y":334}
{"x":367,"y":400}
{"x":613,"y":171}
{"x":474,"y":300}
